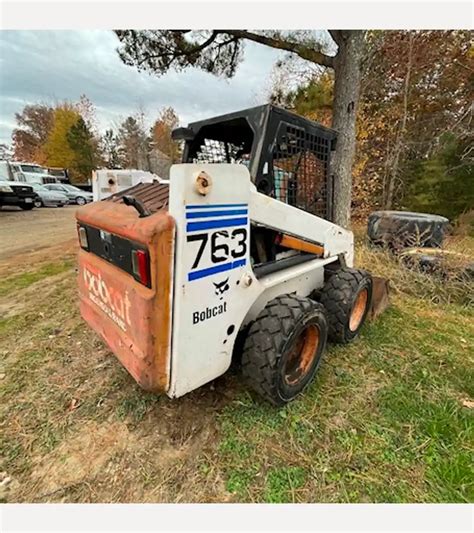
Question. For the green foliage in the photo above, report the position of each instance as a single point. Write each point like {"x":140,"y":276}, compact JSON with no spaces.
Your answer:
{"x":282,"y":482}
{"x":312,"y":99}
{"x":159,"y":50}
{"x":80,"y":139}
{"x":133,"y":142}
{"x":444,"y":183}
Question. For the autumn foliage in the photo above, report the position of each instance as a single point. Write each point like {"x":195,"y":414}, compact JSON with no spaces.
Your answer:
{"x":66,"y":136}
{"x":414,"y":125}
{"x":60,"y":136}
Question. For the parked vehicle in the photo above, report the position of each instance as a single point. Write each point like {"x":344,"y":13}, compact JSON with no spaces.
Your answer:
{"x":17,"y":194}
{"x":61,"y":174}
{"x":31,"y":173}
{"x":47,"y":198}
{"x":25,"y":172}
{"x":75,"y":195}
{"x":106,"y":182}
{"x":6,"y":172}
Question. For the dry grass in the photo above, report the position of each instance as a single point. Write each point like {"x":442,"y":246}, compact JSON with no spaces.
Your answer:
{"x":444,"y":288}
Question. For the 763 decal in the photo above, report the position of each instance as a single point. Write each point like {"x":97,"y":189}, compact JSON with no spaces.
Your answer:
{"x":219,"y":246}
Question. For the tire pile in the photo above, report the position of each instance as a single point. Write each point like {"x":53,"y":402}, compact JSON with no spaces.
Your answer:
{"x":417,"y":238}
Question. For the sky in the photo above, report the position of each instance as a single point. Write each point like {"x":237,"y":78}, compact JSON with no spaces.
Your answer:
{"x":52,"y":66}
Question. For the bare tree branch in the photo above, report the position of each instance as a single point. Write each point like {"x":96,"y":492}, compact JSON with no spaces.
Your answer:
{"x":305,"y":52}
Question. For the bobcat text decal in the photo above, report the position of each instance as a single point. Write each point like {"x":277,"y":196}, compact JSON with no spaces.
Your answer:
{"x":114,"y":304}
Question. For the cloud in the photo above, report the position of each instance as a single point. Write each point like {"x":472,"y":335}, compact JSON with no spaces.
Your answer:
{"x":51,"y":66}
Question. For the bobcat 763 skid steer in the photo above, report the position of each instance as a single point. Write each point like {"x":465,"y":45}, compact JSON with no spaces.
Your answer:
{"x":238,"y":242}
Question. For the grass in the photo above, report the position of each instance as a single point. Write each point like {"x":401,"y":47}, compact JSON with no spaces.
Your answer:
{"x":386,"y":420}
{"x":17,"y":282}
{"x":383,"y":422}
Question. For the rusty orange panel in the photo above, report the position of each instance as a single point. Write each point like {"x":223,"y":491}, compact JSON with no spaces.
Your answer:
{"x":134,"y":320}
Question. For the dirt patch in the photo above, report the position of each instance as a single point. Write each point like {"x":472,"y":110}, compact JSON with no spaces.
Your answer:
{"x":23,"y":232}
{"x":79,"y":458}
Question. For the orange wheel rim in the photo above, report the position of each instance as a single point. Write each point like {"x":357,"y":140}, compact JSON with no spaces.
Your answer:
{"x":358,"y":310}
{"x":302,"y":354}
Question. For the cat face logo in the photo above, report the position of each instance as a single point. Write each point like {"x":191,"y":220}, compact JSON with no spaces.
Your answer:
{"x":221,"y":288}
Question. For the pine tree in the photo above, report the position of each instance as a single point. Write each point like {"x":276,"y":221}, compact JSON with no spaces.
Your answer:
{"x":110,"y":148}
{"x":133,"y":143}
{"x":81,"y":141}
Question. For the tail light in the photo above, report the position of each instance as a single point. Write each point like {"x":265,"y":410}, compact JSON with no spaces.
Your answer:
{"x":83,"y":237}
{"x":141,"y":267}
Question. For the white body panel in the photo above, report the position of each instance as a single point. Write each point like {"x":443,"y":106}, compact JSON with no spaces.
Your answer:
{"x":215,"y":289}
{"x":106,"y":182}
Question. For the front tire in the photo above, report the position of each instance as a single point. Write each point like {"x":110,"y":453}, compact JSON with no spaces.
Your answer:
{"x":284,"y":348}
{"x":80,"y":200}
{"x":38,"y":203}
{"x":347,"y":296}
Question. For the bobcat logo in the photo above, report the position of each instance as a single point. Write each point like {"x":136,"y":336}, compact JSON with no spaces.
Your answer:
{"x":221,"y":288}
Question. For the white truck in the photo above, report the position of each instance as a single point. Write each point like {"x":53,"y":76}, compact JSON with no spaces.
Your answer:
{"x":25,"y":172}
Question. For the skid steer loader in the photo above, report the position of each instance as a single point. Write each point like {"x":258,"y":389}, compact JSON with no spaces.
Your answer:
{"x":239,"y":241}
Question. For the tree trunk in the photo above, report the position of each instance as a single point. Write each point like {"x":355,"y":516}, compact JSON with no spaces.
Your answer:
{"x":347,"y":78}
{"x":393,"y":174}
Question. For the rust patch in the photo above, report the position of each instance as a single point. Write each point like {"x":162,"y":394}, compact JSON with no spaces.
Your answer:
{"x":302,"y":354}
{"x":154,"y":195}
{"x":133,"y":320}
{"x":358,"y":310}
{"x":380,"y":297}
{"x":203,"y":183}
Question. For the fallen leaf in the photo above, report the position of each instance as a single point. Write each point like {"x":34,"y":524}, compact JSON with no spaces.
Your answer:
{"x":74,"y":404}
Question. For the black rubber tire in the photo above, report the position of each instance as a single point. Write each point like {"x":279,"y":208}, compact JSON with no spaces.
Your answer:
{"x":80,"y":200}
{"x":401,"y":229}
{"x":38,"y":203}
{"x":27,"y":207}
{"x":338,"y":295}
{"x":269,"y":344}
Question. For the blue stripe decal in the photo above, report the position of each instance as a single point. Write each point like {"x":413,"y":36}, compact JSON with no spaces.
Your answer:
{"x":198,"y":274}
{"x":207,"y":214}
{"x":212,"y":206}
{"x":212,"y":224}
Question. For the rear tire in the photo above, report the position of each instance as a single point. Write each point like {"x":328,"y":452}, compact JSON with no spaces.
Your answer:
{"x":347,"y":296}
{"x":284,"y":348}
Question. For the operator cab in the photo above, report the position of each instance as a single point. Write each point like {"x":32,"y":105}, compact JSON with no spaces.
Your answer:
{"x":287,"y":155}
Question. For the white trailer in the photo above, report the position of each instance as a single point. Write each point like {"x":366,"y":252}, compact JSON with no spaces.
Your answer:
{"x":106,"y":182}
